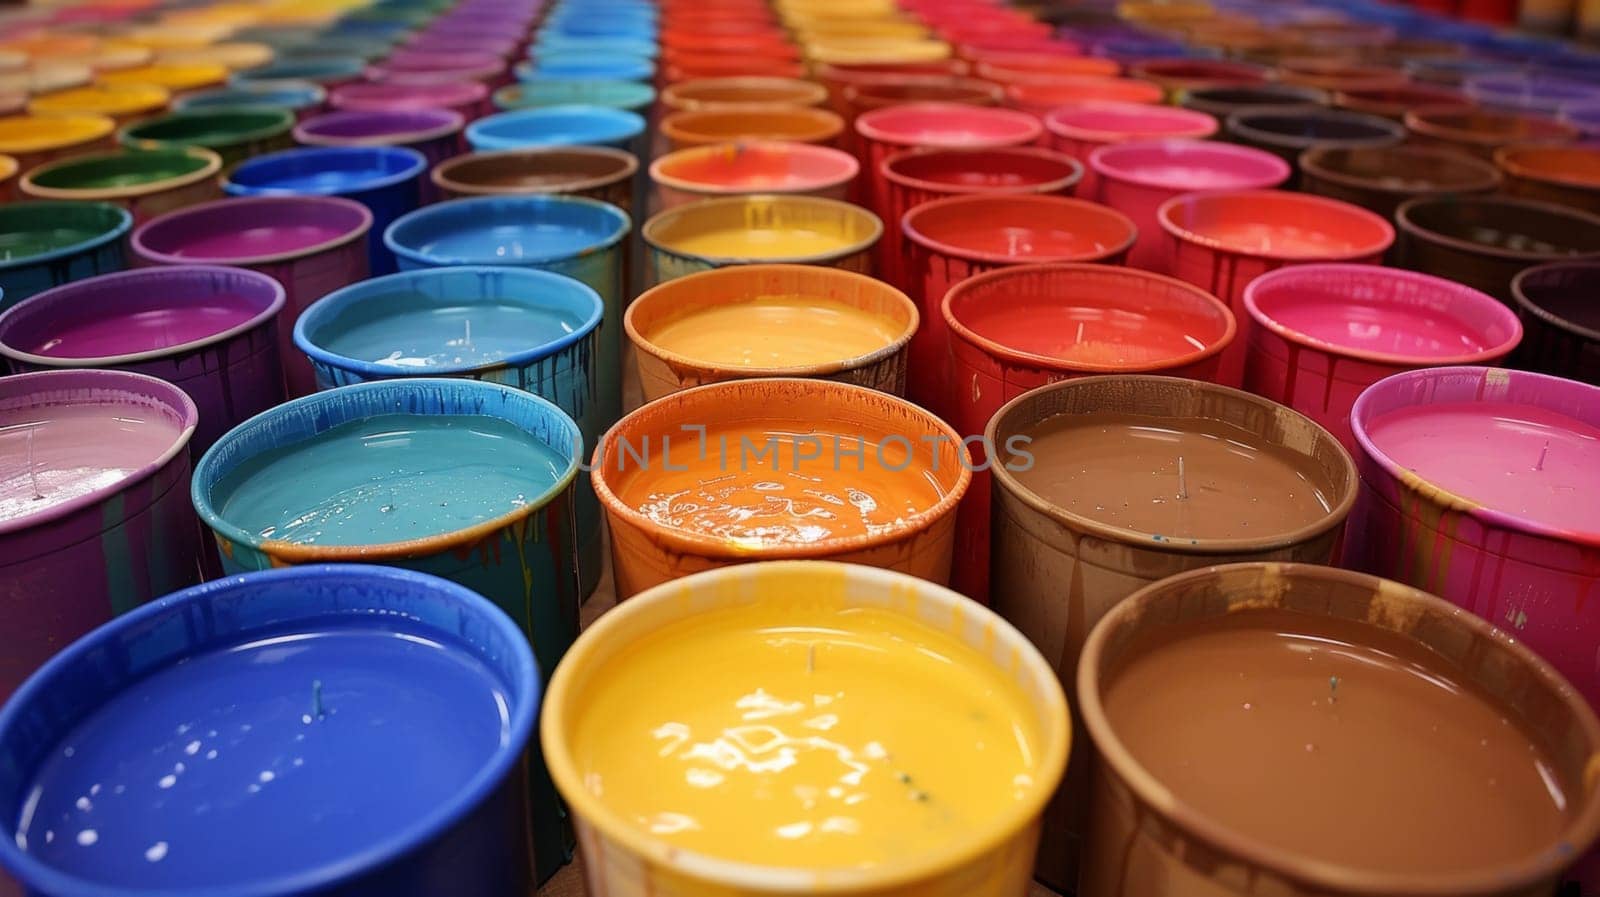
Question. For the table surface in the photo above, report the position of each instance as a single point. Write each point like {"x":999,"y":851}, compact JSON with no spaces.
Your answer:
{"x":569,"y":883}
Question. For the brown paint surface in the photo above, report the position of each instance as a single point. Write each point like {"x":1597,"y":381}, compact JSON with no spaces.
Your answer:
{"x":1335,"y":740}
{"x":1122,"y":470}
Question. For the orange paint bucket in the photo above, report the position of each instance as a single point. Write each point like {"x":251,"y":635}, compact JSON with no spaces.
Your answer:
{"x":795,"y":123}
{"x":861,"y":98}
{"x":771,"y":321}
{"x":731,"y":65}
{"x":1018,"y":68}
{"x":754,"y":166}
{"x":739,"y":93}
{"x":1040,"y":97}
{"x":1566,"y":175}
{"x":913,"y":466}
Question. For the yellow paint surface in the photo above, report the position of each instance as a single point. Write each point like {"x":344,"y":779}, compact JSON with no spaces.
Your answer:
{"x":772,"y":244}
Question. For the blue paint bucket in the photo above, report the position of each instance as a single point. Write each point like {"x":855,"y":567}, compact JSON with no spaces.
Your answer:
{"x":523,"y":560}
{"x":565,"y":43}
{"x":153,"y":664}
{"x":385,"y":179}
{"x":49,"y":243}
{"x":630,"y":95}
{"x":586,"y":66}
{"x":587,"y":23}
{"x":581,"y":238}
{"x":572,"y":125}
{"x":303,"y":99}
{"x":536,"y":331}
{"x":328,"y":71}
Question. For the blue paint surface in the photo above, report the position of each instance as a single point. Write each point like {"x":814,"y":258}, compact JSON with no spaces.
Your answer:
{"x":156,"y":788}
{"x":389,"y":478}
{"x":574,"y":125}
{"x":419,"y":338}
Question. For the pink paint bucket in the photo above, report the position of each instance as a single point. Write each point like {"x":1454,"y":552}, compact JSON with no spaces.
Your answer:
{"x":1135,"y":178}
{"x":916,"y":176}
{"x":1222,"y":241}
{"x":469,"y":98}
{"x":1020,"y":328}
{"x":1319,"y":335}
{"x":312,"y":245}
{"x":952,"y":239}
{"x":1078,"y":129}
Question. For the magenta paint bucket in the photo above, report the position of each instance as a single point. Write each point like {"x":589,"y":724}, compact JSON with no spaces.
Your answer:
{"x":1078,"y":129}
{"x":312,"y":245}
{"x":469,"y":98}
{"x":1318,"y":335}
{"x":95,"y":517}
{"x":210,"y":330}
{"x":502,"y":47}
{"x":1135,"y":178}
{"x":435,"y":133}
{"x":432,"y":68}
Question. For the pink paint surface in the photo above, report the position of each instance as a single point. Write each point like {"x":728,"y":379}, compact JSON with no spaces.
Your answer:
{"x":1355,"y":322}
{"x":145,"y":329}
{"x":53,"y":454}
{"x":1522,"y":460}
{"x":252,"y":242}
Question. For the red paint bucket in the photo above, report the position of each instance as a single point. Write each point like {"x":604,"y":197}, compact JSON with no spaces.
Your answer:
{"x":916,"y":176}
{"x":1023,"y":327}
{"x":1222,"y":241}
{"x":1079,"y":129}
{"x":1041,"y":97}
{"x":1038,"y":72}
{"x":1136,"y":177}
{"x":949,"y":240}
{"x":731,"y":65}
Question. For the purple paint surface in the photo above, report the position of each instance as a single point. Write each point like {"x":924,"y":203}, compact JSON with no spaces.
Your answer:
{"x":146,"y":329}
{"x":251,"y":242}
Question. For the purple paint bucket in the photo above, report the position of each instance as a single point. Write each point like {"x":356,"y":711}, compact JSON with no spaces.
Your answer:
{"x":469,"y":98}
{"x":435,"y":133}
{"x":209,"y":330}
{"x":312,"y":245}
{"x":503,"y":47}
{"x":95,"y":517}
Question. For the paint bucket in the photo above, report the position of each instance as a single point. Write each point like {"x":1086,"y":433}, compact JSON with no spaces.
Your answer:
{"x":1039,"y":97}
{"x":1015,"y":329}
{"x":1143,"y":841}
{"x":574,"y":125}
{"x":880,"y":322}
{"x":1534,"y":94}
{"x":1289,"y":132}
{"x":1480,"y":132}
{"x":232,"y":55}
{"x":468,"y":98}
{"x":472,"y":834}
{"x":1484,"y":241}
{"x":47,"y":77}
{"x":1180,"y":76}
{"x":210,"y":331}
{"x":952,"y":239}
{"x":145,"y":182}
{"x":1338,"y":74}
{"x":8,"y":173}
{"x":994,"y":862}
{"x":921,"y":89}
{"x":521,"y":561}
{"x":49,"y":243}
{"x":304,"y":100}
{"x":1585,"y":117}
{"x":586,"y":66}
{"x":1221,"y":241}
{"x":36,"y":139}
{"x":1568,"y":176}
{"x":311,"y":245}
{"x":385,"y":179}
{"x":629,"y":95}
{"x":1561,"y":326}
{"x":327,"y":72}
{"x":1137,"y":177}
{"x":435,"y":133}
{"x":834,"y":78}
{"x":343,"y":337}
{"x":596,"y":172}
{"x":235,"y":134}
{"x":176,"y":77}
{"x":565,"y":43}
{"x":1078,"y":129}
{"x":1221,"y":102}
{"x":1394,"y":102}
{"x":580,"y":238}
{"x":799,"y":124}
{"x":720,"y":93}
{"x":745,"y":230}
{"x":755,"y":166}
{"x":120,"y":103}
{"x":729,"y":65}
{"x":77,"y":563}
{"x":1028,"y":68}
{"x":1304,"y":353}
{"x":1500,"y":564}
{"x":835,"y":51}
{"x":1056,"y":572}
{"x":484,"y":68}
{"x":1382,"y":179}
{"x":920,"y":454}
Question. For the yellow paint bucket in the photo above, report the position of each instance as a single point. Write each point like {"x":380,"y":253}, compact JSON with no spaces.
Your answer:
{"x":842,"y":9}
{"x":110,"y":57}
{"x":991,"y":857}
{"x":175,"y":77}
{"x":237,"y":15}
{"x":8,"y":178}
{"x":121,"y":103}
{"x":868,"y":50}
{"x":35,"y":139}
{"x":163,"y":37}
{"x":834,"y":29}
{"x":233,"y":55}
{"x":744,"y":230}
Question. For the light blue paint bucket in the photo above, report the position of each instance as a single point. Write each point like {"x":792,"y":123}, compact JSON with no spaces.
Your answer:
{"x":571,"y":125}
{"x":586,"y":66}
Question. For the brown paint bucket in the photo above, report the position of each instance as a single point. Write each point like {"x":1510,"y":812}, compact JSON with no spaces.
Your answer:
{"x":1381,"y":179}
{"x":1482,"y":131}
{"x":1485,"y":241}
{"x":596,"y":172}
